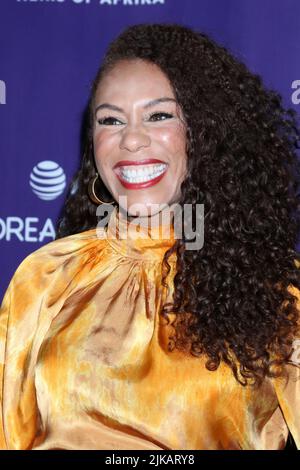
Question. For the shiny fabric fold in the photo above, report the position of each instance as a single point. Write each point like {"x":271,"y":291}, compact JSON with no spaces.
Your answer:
{"x":85,"y":361}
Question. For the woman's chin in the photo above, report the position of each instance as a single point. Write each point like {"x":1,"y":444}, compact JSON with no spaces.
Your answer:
{"x":143,"y":209}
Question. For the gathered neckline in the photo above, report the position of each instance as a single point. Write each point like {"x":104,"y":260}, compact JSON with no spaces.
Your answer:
{"x":144,"y":241}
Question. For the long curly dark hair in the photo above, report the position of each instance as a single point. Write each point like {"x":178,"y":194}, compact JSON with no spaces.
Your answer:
{"x":243,"y":166}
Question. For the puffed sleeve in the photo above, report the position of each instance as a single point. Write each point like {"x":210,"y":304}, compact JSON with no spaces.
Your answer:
{"x":35,"y":296}
{"x":288,"y":389}
{"x":19,"y":321}
{"x":3,"y":331}
{"x":13,"y":347}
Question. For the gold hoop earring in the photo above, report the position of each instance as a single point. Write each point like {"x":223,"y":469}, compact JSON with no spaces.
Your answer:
{"x":92,"y":194}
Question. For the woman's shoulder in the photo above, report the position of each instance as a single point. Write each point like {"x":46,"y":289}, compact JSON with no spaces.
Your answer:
{"x":65,"y":246}
{"x":64,"y":255}
{"x":292,"y":288}
{"x":48,"y":276}
{"x":53,"y":270}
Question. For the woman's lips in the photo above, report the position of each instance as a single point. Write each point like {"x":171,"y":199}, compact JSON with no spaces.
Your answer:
{"x":145,"y":161}
{"x":145,"y":184}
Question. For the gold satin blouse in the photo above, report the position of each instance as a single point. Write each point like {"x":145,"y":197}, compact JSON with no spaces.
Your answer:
{"x":85,"y":365}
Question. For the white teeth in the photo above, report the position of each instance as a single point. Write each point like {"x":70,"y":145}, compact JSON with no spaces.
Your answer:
{"x":142,"y":174}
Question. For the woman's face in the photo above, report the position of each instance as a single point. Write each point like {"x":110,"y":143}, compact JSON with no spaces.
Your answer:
{"x":139,"y":137}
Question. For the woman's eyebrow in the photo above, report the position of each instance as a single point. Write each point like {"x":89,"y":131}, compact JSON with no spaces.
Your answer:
{"x":120,"y":110}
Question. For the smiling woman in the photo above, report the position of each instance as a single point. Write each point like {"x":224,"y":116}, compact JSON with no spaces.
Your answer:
{"x":139,"y":136}
{"x":143,"y":343}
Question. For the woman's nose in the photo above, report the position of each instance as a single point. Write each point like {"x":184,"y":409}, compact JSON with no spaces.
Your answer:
{"x":134,"y":137}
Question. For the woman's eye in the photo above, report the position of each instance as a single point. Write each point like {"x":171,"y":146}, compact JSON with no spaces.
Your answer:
{"x":168,"y":116}
{"x":107,"y":121}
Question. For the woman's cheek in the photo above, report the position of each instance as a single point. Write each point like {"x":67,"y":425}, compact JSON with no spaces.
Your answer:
{"x":103,"y":144}
{"x":173,"y":137}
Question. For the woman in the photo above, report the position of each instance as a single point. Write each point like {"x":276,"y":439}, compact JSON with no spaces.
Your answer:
{"x":140,"y":343}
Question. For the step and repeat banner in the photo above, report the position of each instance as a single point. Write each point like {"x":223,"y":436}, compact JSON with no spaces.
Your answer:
{"x":49,"y":53}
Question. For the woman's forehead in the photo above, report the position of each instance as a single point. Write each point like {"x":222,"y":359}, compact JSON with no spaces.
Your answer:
{"x":134,"y":77}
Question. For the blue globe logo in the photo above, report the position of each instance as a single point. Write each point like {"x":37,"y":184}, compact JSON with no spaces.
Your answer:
{"x":47,"y":180}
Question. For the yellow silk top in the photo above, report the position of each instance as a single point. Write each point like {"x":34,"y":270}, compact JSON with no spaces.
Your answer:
{"x":85,"y":365}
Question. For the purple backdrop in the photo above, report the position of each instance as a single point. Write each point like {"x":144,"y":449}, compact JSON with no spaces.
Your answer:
{"x":49,"y":53}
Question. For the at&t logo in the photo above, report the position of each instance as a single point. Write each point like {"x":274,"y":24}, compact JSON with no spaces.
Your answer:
{"x":47,"y":180}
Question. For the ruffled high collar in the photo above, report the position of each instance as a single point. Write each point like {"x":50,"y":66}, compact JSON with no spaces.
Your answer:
{"x":144,"y":240}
